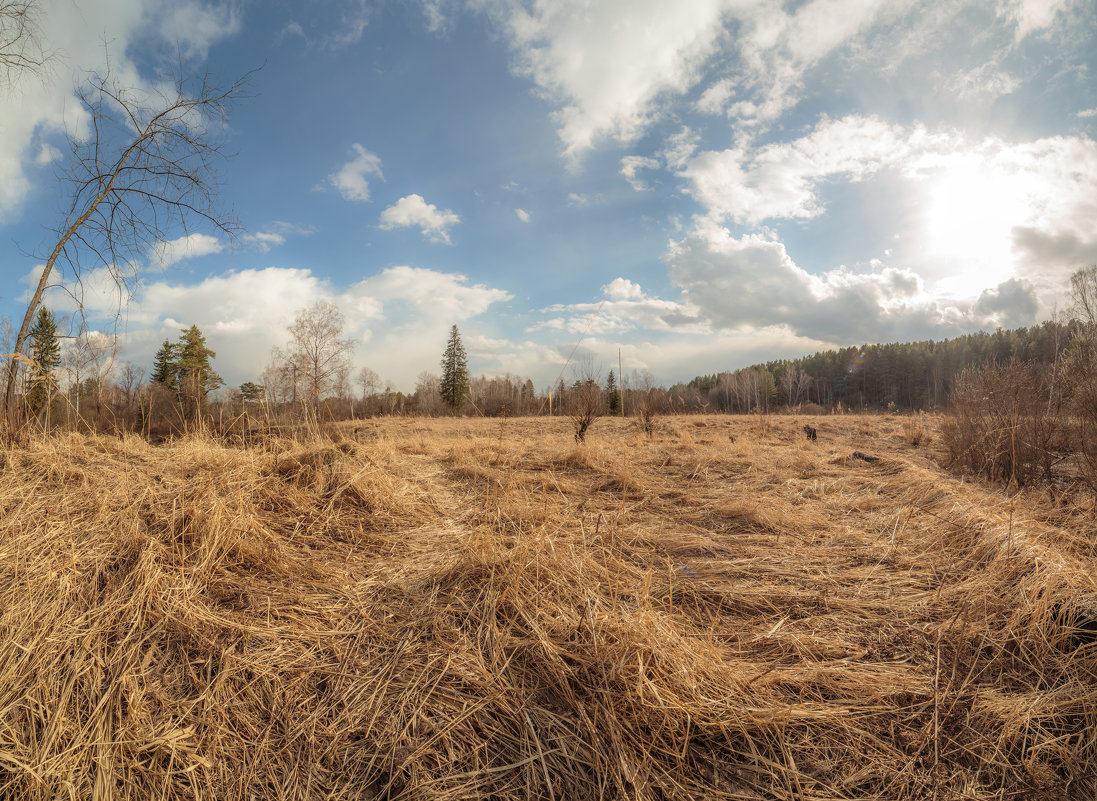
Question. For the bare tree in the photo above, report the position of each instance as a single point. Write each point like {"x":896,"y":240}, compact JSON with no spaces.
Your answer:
{"x":795,"y":383}
{"x":320,"y":355}
{"x":146,"y":170}
{"x":428,"y":393}
{"x":20,"y":46}
{"x":88,"y":359}
{"x":1078,"y":368}
{"x":129,"y":382}
{"x":369,"y":381}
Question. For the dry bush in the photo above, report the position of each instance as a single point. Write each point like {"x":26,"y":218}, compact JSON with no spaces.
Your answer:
{"x":513,"y":617}
{"x":1002,"y":424}
{"x":915,"y":430}
{"x":585,"y":403}
{"x":650,"y":405}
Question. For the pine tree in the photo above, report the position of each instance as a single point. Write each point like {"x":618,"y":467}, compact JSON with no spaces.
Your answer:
{"x":165,"y":368}
{"x":46,"y":352}
{"x":252,"y":392}
{"x":455,"y":371}
{"x":196,"y":377}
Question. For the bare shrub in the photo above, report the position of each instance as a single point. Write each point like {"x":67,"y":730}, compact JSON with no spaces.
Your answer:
{"x":586,"y":402}
{"x":1002,"y":425}
{"x":914,"y":429}
{"x":652,"y":403}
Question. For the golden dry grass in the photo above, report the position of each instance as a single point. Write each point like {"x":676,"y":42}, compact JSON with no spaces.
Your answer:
{"x":422,"y":609}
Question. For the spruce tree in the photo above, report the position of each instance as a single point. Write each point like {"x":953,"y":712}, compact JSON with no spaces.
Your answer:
{"x":165,"y":367}
{"x":455,"y":372}
{"x":613,"y":394}
{"x":46,"y":352}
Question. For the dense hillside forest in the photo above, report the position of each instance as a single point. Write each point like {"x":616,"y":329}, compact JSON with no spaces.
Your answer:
{"x":908,"y":375}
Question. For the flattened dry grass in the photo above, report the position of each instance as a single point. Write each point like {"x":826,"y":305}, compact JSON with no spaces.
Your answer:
{"x":469,"y":609}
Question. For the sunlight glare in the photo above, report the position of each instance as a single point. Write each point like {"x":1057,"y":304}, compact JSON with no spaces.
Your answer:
{"x":973,"y":209}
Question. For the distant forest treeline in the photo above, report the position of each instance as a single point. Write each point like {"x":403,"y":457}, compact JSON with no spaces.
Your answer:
{"x":909,"y":375}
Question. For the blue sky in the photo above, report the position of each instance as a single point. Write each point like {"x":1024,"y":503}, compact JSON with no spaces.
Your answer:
{"x":700,"y":184}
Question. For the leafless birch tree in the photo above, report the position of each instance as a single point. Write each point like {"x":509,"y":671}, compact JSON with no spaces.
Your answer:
{"x":145,"y":170}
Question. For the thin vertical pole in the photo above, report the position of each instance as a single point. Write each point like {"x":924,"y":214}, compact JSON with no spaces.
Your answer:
{"x":621,"y":381}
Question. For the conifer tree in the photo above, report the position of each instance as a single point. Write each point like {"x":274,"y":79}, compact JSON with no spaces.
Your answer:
{"x":46,"y":352}
{"x":613,"y":394}
{"x":165,"y":367}
{"x":195,"y":375}
{"x":455,"y":372}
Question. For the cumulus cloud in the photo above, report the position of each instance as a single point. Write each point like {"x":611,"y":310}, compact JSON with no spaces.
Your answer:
{"x":715,"y":98}
{"x":47,"y":154}
{"x":522,"y":215}
{"x":622,"y":289}
{"x":37,"y":113}
{"x":751,"y":281}
{"x":607,"y":63}
{"x":679,"y":148}
{"x":624,"y":307}
{"x":264,"y":240}
{"x":631,"y":165}
{"x":1011,"y":304}
{"x":614,"y":68}
{"x":350,"y":179}
{"x":414,"y":211}
{"x":780,"y":180}
{"x":194,"y":26}
{"x":987,"y":210}
{"x":399,"y":316}
{"x":1034,"y":15}
{"x":173,"y":251}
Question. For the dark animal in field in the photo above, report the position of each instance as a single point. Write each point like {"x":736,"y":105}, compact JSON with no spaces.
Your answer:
{"x":811,"y":432}
{"x":864,"y":457}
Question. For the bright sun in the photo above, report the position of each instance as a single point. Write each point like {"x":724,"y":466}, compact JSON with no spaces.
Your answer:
{"x":973,"y":208}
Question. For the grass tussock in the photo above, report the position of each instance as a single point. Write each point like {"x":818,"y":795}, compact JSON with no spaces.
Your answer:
{"x":448,"y":609}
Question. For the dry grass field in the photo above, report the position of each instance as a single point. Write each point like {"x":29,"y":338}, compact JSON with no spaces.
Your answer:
{"x":463,"y":609}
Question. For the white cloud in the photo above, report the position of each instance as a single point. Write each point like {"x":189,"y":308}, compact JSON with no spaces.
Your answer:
{"x":983,"y":83}
{"x":264,"y":240}
{"x":622,"y":289}
{"x":779,"y":180}
{"x":399,"y":317}
{"x":522,"y":215}
{"x":414,"y":211}
{"x":350,"y":179}
{"x":1034,"y":15}
{"x":1087,"y":113}
{"x":47,"y":154}
{"x":165,"y":254}
{"x":679,"y":148}
{"x":614,"y":67}
{"x":715,"y":98}
{"x":194,"y":26}
{"x":580,"y":200}
{"x":607,"y":63}
{"x":624,"y":307}
{"x":987,"y":210}
{"x":36,"y":111}
{"x":751,"y":282}
{"x":631,"y":165}
{"x":352,"y":25}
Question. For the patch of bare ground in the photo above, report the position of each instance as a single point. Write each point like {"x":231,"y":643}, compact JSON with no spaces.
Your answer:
{"x":455,"y":609}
